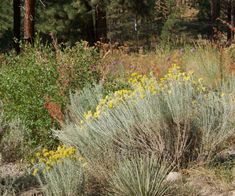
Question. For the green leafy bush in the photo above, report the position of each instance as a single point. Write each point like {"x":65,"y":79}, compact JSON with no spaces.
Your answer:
{"x":25,"y":82}
{"x":38,"y":76}
{"x":78,"y":63}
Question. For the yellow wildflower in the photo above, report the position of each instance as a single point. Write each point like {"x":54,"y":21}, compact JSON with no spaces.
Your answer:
{"x":88,"y":115}
{"x":35,"y":171}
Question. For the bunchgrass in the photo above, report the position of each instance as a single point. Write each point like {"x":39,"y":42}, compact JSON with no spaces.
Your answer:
{"x":144,"y":176}
{"x":65,"y":178}
{"x":176,"y":117}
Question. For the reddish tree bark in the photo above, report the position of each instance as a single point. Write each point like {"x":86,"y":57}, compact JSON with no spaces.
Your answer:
{"x":233,"y":18}
{"x":229,"y":32}
{"x":29,"y":21}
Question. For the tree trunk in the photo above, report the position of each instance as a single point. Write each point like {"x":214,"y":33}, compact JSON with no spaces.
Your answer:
{"x":90,"y":25}
{"x":100,"y":24}
{"x":229,"y":15}
{"x":215,"y":13}
{"x":16,"y":25}
{"x":29,"y":21}
{"x":233,"y":19}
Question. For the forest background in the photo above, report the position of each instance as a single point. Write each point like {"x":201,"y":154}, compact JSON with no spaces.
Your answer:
{"x":135,"y":23}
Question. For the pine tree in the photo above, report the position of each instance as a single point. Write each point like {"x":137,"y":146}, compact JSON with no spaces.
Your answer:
{"x":6,"y":21}
{"x":139,"y":7}
{"x":68,"y":20}
{"x":6,"y":13}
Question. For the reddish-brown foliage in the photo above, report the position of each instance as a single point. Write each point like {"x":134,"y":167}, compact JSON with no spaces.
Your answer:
{"x":55,"y":111}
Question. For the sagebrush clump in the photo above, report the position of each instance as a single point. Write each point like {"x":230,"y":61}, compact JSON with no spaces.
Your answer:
{"x":176,"y":118}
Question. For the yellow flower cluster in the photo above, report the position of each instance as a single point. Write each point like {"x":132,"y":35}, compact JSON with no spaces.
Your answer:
{"x":139,"y":83}
{"x":109,"y":102}
{"x":46,"y":159}
{"x":175,"y":74}
{"x":140,"y":86}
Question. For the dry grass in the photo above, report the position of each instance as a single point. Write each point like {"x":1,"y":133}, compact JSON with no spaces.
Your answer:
{"x":208,"y":182}
{"x":118,"y":62}
{"x":207,"y":60}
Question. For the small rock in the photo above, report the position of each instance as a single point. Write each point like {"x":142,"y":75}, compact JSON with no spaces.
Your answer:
{"x":174,"y":177}
{"x":231,"y":193}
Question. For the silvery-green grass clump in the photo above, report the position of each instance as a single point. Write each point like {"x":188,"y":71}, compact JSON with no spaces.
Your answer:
{"x":12,"y":141}
{"x":177,"y":118}
{"x":139,"y":124}
{"x":7,"y":189}
{"x":144,"y":176}
{"x":12,"y":136}
{"x":65,"y":178}
{"x":84,"y":100}
{"x":215,"y":120}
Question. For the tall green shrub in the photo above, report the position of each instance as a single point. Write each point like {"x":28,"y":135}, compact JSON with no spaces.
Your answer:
{"x":40,"y":75}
